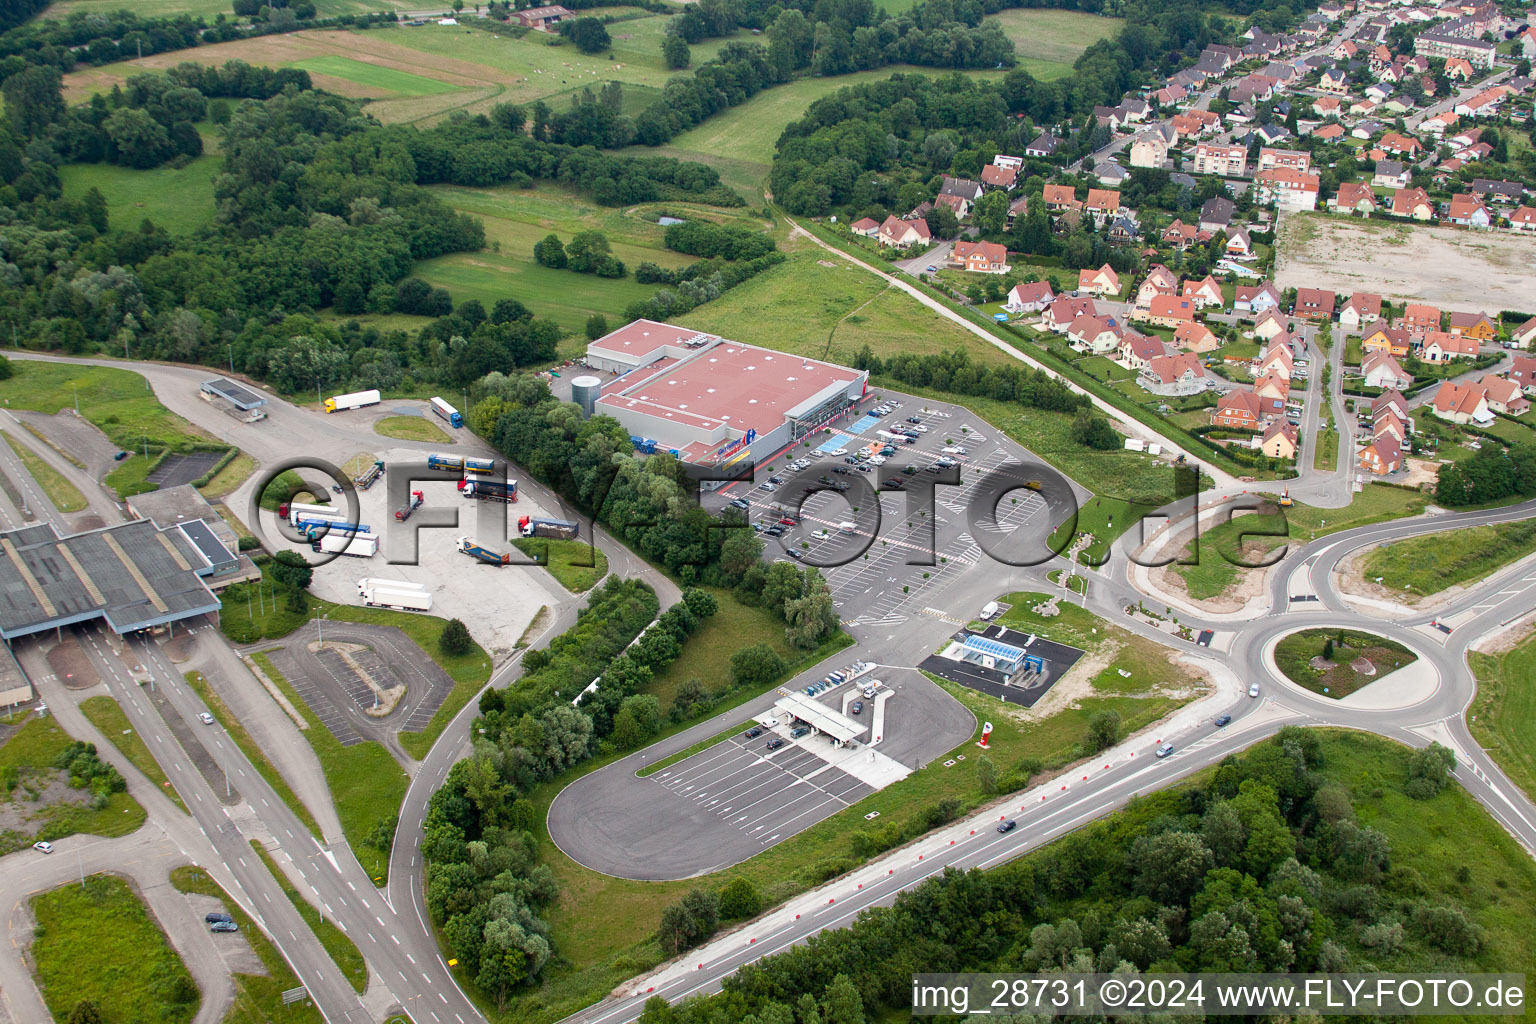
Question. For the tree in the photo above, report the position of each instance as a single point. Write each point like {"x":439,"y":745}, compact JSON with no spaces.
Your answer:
{"x":597,"y":326}
{"x":85,"y":1012}
{"x":942,"y":222}
{"x":290,"y":570}
{"x":689,"y":921}
{"x":7,"y":371}
{"x":34,"y":99}
{"x":1093,"y":431}
{"x":1428,"y":770}
{"x":1328,"y":649}
{"x":549,"y":252}
{"x":841,"y":1003}
{"x":674,"y":50}
{"x":756,"y":665}
{"x":1103,"y":731}
{"x":637,"y":721}
{"x":454,"y":639}
{"x":587,"y":33}
{"x":1170,"y":867}
{"x":739,"y":899}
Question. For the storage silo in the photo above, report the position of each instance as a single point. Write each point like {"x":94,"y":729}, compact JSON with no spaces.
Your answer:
{"x":585,"y":392}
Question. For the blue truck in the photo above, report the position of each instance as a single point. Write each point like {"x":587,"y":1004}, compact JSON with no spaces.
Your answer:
{"x":490,"y":490}
{"x":485,"y":555}
{"x":453,"y":462}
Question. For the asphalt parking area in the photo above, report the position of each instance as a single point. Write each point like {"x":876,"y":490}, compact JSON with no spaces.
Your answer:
{"x":1058,"y":658}
{"x":175,"y":470}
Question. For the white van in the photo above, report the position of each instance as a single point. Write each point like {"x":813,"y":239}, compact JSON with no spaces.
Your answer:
{"x":990,"y":610}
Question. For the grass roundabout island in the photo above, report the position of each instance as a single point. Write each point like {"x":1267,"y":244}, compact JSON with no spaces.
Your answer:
{"x":1337,"y":662}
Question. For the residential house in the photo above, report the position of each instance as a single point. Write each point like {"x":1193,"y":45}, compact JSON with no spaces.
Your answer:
{"x":1443,"y":346}
{"x":1276,"y":360}
{"x":1288,"y":189}
{"x":1459,"y":69}
{"x":542,"y":19}
{"x":1193,"y":336}
{"x":1419,"y":319}
{"x":1361,"y":309}
{"x":1524,"y":336}
{"x":1239,"y":243}
{"x":1239,"y":409}
{"x":1110,"y":117}
{"x":1029,"y":298}
{"x":1182,"y":236}
{"x":1391,"y":174}
{"x":1511,"y":192}
{"x":1474,"y":325}
{"x":1329,"y":133}
{"x":1170,"y":95}
{"x":1314,"y":304}
{"x":866,"y":226}
{"x":1381,"y":370}
{"x":1138,"y":350}
{"x":1205,"y":293}
{"x":1123,"y":229}
{"x":1005,"y":178}
{"x":1335,"y":81}
{"x":1412,"y":202}
{"x":1016,"y":209}
{"x":902,"y":234}
{"x":1099,"y":335}
{"x":1393,"y":402}
{"x":1439,"y":124}
{"x":1060,"y":197}
{"x":965,"y":188}
{"x":1004,"y":160}
{"x":1062,"y":313}
{"x":1504,"y":396}
{"x":1167,"y":311}
{"x":1468,"y":211}
{"x":1355,"y":198}
{"x":1045,"y":145}
{"x":1392,"y":341}
{"x":1381,"y":456}
{"x":1401,"y":145}
{"x":1110,"y":173}
{"x":1228,"y":161}
{"x":980,"y":257}
{"x":1103,"y":282}
{"x":959,"y":205}
{"x":1216,"y":214}
{"x":1522,"y":370}
{"x":1273,"y":392}
{"x":1461,"y":403}
{"x":1269,"y":323}
{"x":1149,"y":149}
{"x":1292,"y":159}
{"x":1485,"y":103}
{"x":1175,"y":375}
{"x":1280,"y":440}
{"x":1101,"y":204}
{"x":1251,"y":300}
{"x":1159,"y":281}
{"x":1390,"y":424}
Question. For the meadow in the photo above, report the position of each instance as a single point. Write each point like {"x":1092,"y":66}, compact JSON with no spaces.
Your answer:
{"x":178,"y":199}
{"x":1053,"y":37}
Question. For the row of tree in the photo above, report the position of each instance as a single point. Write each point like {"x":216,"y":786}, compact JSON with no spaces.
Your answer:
{"x":1493,"y":474}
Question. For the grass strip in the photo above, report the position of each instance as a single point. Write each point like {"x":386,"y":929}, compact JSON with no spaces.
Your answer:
{"x":412,"y":428}
{"x":683,"y":755}
{"x":258,"y":997}
{"x":563,"y":559}
{"x":1326,"y":457}
{"x":366,"y":784}
{"x":65,"y":496}
{"x":1429,"y":564}
{"x":252,"y":752}
{"x":342,"y":950}
{"x":107,"y":715}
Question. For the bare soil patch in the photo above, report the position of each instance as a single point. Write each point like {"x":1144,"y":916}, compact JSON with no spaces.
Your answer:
{"x":1446,"y":267}
{"x":70,"y":664}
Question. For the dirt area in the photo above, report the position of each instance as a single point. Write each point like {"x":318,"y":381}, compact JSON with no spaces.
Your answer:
{"x":1251,"y":583}
{"x":1421,"y":473}
{"x":179,"y":648}
{"x":21,"y":815}
{"x":1446,"y":267}
{"x":1509,"y":639}
{"x":385,"y":697}
{"x":69,"y":662}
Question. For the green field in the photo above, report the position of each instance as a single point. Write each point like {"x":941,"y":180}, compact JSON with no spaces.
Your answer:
{"x":210,"y":9}
{"x":178,"y":199}
{"x":1294,"y":652}
{"x":119,"y":402}
{"x":66,"y":497}
{"x":258,"y":997}
{"x":1502,"y":718}
{"x":1146,"y":662}
{"x":387,"y":81}
{"x":366,"y":784}
{"x":1054,"y":36}
{"x":575,"y":564}
{"x":98,"y":943}
{"x":412,"y":428}
{"x":107,"y":715}
{"x":707,"y":654}
{"x":1325,"y":454}
{"x":1428,"y":564}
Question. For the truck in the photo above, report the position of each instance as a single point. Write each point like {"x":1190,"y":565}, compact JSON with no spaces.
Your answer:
{"x":360,"y":545}
{"x":356,"y":400}
{"x":453,"y":462}
{"x":314,"y":528}
{"x":554,"y":529}
{"x":290,"y":508}
{"x":485,"y":555}
{"x":490,"y":490}
{"x":374,"y":583}
{"x":297,"y":520}
{"x":405,"y":600}
{"x":369,"y":476}
{"x":479,"y":465}
{"x":402,"y":514}
{"x":447,"y":412}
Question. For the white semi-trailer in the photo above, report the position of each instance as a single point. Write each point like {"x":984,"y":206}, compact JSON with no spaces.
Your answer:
{"x":360,"y":545}
{"x":356,"y":400}
{"x":406,"y":600}
{"x":372,"y":582}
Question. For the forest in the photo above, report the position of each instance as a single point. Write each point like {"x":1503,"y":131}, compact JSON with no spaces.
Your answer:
{"x":1267,"y":862}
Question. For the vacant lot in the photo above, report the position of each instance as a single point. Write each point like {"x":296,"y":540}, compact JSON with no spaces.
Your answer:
{"x":1057,"y":37}
{"x":1444,"y":266}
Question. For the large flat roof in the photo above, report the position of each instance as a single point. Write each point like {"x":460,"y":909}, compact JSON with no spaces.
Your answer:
{"x":643,"y":337}
{"x":133,"y":575}
{"x":834,"y":723}
{"x":242,"y":397}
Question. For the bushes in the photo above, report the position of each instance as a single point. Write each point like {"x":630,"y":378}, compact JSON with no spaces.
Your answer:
{"x":707,"y":239}
{"x":757,"y":665}
{"x":454,"y":639}
{"x":86,"y":770}
{"x":1428,"y":771}
{"x":739,"y":899}
{"x":689,"y":921}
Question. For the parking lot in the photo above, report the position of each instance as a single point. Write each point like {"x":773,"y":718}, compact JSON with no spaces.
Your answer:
{"x":889,"y":557}
{"x":738,"y":797}
{"x":496,"y":603}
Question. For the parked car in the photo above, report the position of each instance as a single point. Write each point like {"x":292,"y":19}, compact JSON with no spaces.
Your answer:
{"x":741,"y":503}
{"x":798,"y":731}
{"x":877,"y":460}
{"x":119,"y":457}
{"x":43,"y":846}
{"x":1007,"y":825}
{"x":856,"y":708}
{"x":932,"y":269}
{"x":914,"y":419}
{"x":205,"y":718}
{"x":795,"y":554}
{"x":216,"y":916}
{"x":776,"y":480}
{"x":1222,"y":720}
{"x":788,"y":521}
{"x":838,"y":451}
{"x":754,"y":732}
{"x":1165,"y":750}
{"x":223,"y":926}
{"x":776,"y":743}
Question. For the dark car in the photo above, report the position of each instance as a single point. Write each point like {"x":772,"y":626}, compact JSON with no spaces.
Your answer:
{"x":754,"y":732}
{"x":914,"y":419}
{"x":795,"y":554}
{"x":840,"y":469}
{"x":798,"y":731}
{"x":895,"y":483}
{"x":775,"y":531}
{"x":119,"y":457}
{"x":776,"y":743}
{"x":1222,"y":720}
{"x":856,"y":708}
{"x":223,"y":926}
{"x":1007,"y":825}
{"x":863,"y":468}
{"x":775,"y":479}
{"x":851,"y":460}
{"x":216,"y":916}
